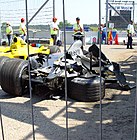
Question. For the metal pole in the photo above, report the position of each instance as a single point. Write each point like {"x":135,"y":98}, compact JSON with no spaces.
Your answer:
{"x":135,"y":120}
{"x":0,"y":28}
{"x":53,"y":8}
{"x":100,"y":90}
{"x":66,"y":95}
{"x":30,"y":87}
{"x":38,"y":11}
{"x":133,"y":11}
{"x":2,"y":130}
{"x":106,"y":20}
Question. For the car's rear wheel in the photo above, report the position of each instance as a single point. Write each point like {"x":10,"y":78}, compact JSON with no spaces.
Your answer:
{"x":11,"y":76}
{"x":86,"y":89}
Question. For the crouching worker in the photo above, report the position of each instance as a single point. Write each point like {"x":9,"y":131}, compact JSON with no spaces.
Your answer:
{"x":17,"y":43}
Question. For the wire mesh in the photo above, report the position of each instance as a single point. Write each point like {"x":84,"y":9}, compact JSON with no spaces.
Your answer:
{"x":16,"y":10}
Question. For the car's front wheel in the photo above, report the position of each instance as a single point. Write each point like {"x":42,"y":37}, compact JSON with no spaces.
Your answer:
{"x":86,"y":89}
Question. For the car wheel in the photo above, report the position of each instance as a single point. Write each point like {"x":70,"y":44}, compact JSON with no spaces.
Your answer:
{"x":86,"y":89}
{"x":3,"y":59}
{"x":11,"y":76}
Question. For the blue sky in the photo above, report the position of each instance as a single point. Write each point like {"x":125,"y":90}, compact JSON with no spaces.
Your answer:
{"x":87,"y":10}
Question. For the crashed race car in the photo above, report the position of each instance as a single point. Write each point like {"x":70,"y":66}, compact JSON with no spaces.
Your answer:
{"x":19,"y":49}
{"x":48,"y":74}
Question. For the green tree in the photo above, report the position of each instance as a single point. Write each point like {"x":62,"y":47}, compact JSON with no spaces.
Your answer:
{"x":66,"y":24}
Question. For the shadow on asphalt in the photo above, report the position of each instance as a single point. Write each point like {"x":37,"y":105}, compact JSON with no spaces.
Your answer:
{"x":117,"y":114}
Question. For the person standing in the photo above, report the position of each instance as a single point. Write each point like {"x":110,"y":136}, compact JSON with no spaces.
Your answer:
{"x":9,"y":33}
{"x":104,"y":34}
{"x":54,"y":30}
{"x":22,"y":29}
{"x":130,"y":34}
{"x":77,"y":28}
{"x":78,"y":31}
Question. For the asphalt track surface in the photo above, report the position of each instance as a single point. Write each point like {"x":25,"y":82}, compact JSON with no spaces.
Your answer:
{"x":118,"y":110}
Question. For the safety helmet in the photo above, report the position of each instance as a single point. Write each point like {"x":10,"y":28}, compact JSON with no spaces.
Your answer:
{"x":22,"y":19}
{"x":54,"y":18}
{"x":77,"y":18}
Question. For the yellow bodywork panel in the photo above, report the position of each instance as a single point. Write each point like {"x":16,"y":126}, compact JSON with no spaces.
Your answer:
{"x":21,"y":51}
{"x":4,"y":49}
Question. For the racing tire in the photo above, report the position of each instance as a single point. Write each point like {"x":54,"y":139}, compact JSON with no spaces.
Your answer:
{"x":3,"y":59}
{"x":86,"y":89}
{"x":54,"y":49}
{"x":11,"y":76}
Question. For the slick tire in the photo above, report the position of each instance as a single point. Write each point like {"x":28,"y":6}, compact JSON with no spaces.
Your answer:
{"x":86,"y":89}
{"x":3,"y":59}
{"x":11,"y":76}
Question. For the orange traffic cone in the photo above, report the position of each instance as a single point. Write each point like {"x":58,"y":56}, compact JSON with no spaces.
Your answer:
{"x":116,"y":40}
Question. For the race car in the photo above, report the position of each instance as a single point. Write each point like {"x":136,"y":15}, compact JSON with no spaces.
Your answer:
{"x":47,"y":74}
{"x":20,"y":49}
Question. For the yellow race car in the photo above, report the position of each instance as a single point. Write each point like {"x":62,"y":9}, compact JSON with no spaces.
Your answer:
{"x":19,"y":49}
